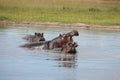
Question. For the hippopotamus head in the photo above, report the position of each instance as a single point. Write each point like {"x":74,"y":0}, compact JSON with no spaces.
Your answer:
{"x":65,"y":38}
{"x":39,"y":36}
{"x":70,"y":48}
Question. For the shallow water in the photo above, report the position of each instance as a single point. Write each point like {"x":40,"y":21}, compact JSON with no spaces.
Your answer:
{"x":98,"y":56}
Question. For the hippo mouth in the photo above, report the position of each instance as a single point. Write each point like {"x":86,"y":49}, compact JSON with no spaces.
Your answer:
{"x":77,"y":34}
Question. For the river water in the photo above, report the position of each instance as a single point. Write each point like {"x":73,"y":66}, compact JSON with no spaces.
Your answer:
{"x":97,"y":58}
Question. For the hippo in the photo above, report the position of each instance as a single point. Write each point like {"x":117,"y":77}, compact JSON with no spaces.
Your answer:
{"x":58,"y":42}
{"x":37,"y":37}
{"x":69,"y":48}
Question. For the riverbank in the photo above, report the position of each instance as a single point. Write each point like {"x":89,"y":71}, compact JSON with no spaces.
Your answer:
{"x":67,"y":25}
{"x":97,"y":12}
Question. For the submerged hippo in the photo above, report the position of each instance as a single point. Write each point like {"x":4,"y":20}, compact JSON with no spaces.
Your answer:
{"x":69,"y":48}
{"x":37,"y":37}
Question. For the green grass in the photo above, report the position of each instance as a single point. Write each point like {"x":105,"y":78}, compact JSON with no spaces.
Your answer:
{"x":101,"y":12}
{"x":3,"y":18}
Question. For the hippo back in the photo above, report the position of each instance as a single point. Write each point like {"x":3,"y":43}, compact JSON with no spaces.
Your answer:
{"x":37,"y":37}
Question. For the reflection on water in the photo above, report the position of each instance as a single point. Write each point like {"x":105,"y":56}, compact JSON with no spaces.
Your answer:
{"x":68,"y":61}
{"x":97,"y":58}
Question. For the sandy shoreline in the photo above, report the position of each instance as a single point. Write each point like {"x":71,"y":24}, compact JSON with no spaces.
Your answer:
{"x":57,"y":24}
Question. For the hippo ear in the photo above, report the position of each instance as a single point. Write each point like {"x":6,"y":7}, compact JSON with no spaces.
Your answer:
{"x":42,"y":34}
{"x":74,"y":43}
{"x":35,"y":33}
{"x":60,"y":35}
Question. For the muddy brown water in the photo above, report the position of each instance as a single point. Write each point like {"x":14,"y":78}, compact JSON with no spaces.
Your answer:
{"x":97,"y":58}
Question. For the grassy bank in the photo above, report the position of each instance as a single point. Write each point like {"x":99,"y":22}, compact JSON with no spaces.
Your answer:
{"x":102,"y":12}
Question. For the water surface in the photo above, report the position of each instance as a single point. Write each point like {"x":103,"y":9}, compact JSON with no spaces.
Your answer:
{"x":98,"y":56}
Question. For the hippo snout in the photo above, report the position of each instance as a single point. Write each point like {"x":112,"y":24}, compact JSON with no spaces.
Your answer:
{"x":77,"y":34}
